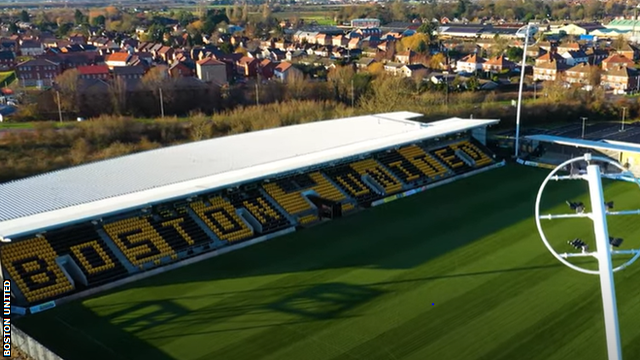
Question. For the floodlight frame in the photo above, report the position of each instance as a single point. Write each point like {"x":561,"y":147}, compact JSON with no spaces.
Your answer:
{"x":624,"y":176}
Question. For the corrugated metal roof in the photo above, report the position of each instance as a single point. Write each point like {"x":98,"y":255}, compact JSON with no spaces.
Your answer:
{"x":138,"y":179}
{"x":589,"y":144}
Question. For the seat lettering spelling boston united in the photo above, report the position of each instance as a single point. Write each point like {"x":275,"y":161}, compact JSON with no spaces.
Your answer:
{"x":423,"y":161}
{"x":220,"y":216}
{"x":138,"y":240}
{"x":32,"y":265}
{"x":89,"y":251}
{"x":379,"y":174}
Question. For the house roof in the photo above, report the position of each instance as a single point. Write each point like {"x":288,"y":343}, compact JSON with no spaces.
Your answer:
{"x":581,"y":68}
{"x":499,"y":60}
{"x":283,"y":66}
{"x":209,"y":62}
{"x":128,"y":70}
{"x":118,"y":56}
{"x":552,"y":65}
{"x":134,"y":181}
{"x":622,"y":71}
{"x":617,"y":59}
{"x":473,"y":59}
{"x":93,"y":70}
{"x":38,"y":62}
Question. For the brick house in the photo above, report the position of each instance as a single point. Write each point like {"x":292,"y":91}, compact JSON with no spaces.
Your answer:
{"x":470,"y":63}
{"x":549,"y":71}
{"x":128,"y":72}
{"x":212,"y":70}
{"x":93,"y":72}
{"x":582,"y":73}
{"x":616,"y":60}
{"x":31,"y":48}
{"x":38,"y":72}
{"x":498,"y":64}
{"x":549,"y":57}
{"x":117,"y":59}
{"x":180,"y":69}
{"x":247,"y":67}
{"x":285,"y":71}
{"x":620,"y":78}
{"x":7,"y":60}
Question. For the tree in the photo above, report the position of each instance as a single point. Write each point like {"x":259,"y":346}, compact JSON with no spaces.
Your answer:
{"x":67,"y":85}
{"x":112,"y":12}
{"x":78,"y":17}
{"x":461,"y":9}
{"x":437,"y":61}
{"x":428,"y":28}
{"x":266,"y":12}
{"x":245,"y":12}
{"x":399,"y":10}
{"x":377,"y":68}
{"x":24,"y":16}
{"x":515,"y":53}
{"x":99,"y":20}
{"x":13,"y":28}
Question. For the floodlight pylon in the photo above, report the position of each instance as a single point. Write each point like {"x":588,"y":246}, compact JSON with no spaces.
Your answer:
{"x":604,"y":252}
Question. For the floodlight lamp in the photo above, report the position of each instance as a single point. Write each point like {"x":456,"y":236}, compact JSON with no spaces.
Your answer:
{"x":4,"y":239}
{"x":94,"y":222}
{"x":587,"y":157}
{"x":576,"y":205}
{"x":609,"y":205}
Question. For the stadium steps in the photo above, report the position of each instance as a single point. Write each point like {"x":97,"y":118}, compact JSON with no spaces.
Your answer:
{"x":221,"y":217}
{"x":277,"y":206}
{"x":427,"y":164}
{"x":88,"y":250}
{"x":116,"y":251}
{"x":379,"y":174}
{"x":350,"y":182}
{"x":402,"y":168}
{"x":484,"y":150}
{"x":348,"y":203}
{"x":32,"y":258}
{"x":270,"y":218}
{"x":446,"y":154}
{"x":287,"y":193}
{"x":179,"y":230}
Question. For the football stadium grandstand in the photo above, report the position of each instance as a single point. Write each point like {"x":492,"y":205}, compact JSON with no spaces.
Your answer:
{"x":85,"y":229}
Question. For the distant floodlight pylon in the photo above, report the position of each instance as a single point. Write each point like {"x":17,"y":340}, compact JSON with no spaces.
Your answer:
{"x":604,"y":243}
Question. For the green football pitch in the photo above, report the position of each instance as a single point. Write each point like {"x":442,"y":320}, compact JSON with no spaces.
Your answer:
{"x":454,"y":273}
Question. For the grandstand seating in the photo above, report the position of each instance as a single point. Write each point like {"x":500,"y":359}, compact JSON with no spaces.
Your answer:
{"x":447,"y":154}
{"x":31,"y":263}
{"x":138,"y":240}
{"x":134,"y":241}
{"x":378,"y":174}
{"x":94,"y":257}
{"x":400,"y":166}
{"x":221,"y":217}
{"x":261,"y":209}
{"x":350,"y":181}
{"x":288,"y":192}
{"x":424,"y":162}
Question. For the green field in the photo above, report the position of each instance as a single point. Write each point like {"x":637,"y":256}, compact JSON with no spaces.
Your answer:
{"x":455,"y":273}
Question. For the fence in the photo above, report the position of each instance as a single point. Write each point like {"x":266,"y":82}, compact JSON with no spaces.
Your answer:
{"x":30,"y":347}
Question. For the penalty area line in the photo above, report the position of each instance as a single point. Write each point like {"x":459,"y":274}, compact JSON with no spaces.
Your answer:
{"x":89,"y":337}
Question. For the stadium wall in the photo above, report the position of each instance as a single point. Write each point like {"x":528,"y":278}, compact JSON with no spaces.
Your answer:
{"x":536,"y":164}
{"x":30,"y":346}
{"x":428,"y":187}
{"x":156,"y":271}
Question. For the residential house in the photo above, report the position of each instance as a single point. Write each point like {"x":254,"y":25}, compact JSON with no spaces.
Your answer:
{"x":38,"y":72}
{"x":266,"y":68}
{"x":596,"y":55}
{"x":211,"y":70}
{"x":572,"y":46}
{"x":247,"y":67}
{"x":498,"y":64}
{"x":549,"y":71}
{"x":31,"y":48}
{"x":545,"y":45}
{"x":535,"y":51}
{"x":364,"y":63}
{"x":93,"y":72}
{"x":575,"y":57}
{"x":339,"y":40}
{"x":166,"y":54}
{"x":406,"y":57}
{"x":117,"y":59}
{"x":550,"y":57}
{"x":128,"y":72}
{"x":180,"y":69}
{"x":629,"y":51}
{"x":620,"y":79}
{"x":354,"y":43}
{"x":411,"y":70}
{"x":393,"y":68}
{"x":323,"y":39}
{"x":583,"y":74}
{"x":470,"y":64}
{"x":616,"y":60}
{"x":7,"y":60}
{"x":285,"y":71}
